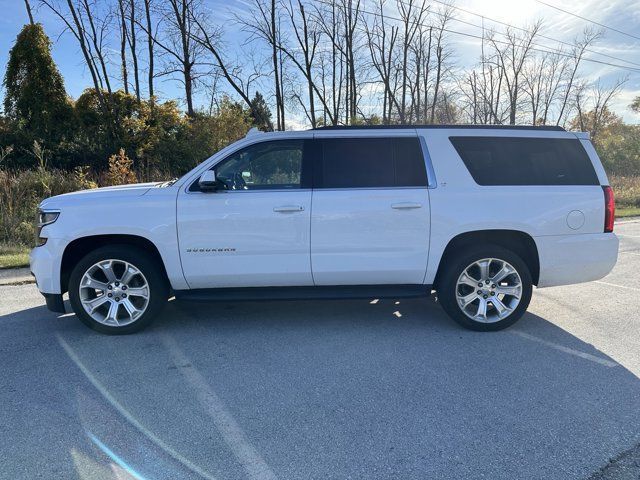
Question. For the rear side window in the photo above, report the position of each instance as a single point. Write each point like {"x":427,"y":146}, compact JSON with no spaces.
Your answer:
{"x":371,"y":163}
{"x":525,"y":161}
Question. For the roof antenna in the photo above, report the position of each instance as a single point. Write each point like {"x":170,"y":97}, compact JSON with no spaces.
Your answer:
{"x":253,"y":131}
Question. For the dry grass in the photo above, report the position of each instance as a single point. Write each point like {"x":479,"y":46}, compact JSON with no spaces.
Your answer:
{"x":626,"y":191}
{"x":20,"y":194}
{"x":12,"y":256}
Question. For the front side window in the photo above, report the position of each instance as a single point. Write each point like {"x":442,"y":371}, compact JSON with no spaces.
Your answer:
{"x":263,"y":166}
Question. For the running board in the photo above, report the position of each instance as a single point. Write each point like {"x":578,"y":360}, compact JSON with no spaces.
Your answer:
{"x":303,"y":293}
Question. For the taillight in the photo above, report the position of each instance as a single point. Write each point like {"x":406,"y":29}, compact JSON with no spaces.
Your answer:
{"x":609,"y":208}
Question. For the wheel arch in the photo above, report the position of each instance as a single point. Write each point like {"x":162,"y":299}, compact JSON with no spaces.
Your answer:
{"x":517,"y":241}
{"x":80,"y":247}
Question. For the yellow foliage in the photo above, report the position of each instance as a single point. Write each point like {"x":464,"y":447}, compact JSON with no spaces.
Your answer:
{"x":120,"y":169}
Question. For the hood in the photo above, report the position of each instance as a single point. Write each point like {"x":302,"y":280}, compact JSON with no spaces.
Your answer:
{"x":131,"y":190}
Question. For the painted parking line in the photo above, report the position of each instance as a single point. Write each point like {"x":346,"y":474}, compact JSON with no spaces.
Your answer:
{"x":232,"y":433}
{"x":128,"y":416}
{"x":630,"y":253}
{"x":634,"y":289}
{"x":570,"y":351}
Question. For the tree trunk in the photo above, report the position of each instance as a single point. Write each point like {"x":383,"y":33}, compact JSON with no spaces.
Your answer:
{"x":123,"y":47}
{"x":132,"y":44}
{"x":276,"y":68}
{"x":26,"y":3}
{"x":150,"y":41}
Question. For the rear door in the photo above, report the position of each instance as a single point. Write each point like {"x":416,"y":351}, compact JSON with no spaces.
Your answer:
{"x":370,"y":216}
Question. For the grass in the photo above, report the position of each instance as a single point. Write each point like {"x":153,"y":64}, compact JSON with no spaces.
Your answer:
{"x":625,"y":212}
{"x":13,"y":256}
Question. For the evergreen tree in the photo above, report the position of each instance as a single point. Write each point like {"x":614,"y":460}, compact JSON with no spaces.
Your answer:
{"x":260,"y":113}
{"x":35,"y":98}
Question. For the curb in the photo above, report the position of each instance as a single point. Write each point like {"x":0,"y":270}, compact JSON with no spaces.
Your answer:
{"x":15,"y":276}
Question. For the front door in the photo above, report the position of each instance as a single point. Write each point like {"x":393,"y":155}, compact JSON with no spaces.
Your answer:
{"x":254,"y":230}
{"x":370,"y":219}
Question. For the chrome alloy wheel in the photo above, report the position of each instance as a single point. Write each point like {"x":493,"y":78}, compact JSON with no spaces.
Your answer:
{"x":488,"y":290}
{"x":114,"y":292}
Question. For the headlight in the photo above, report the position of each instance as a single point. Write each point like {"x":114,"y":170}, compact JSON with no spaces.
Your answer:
{"x":45,"y":217}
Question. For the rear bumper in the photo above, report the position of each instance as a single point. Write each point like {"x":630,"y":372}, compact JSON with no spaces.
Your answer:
{"x":568,"y":259}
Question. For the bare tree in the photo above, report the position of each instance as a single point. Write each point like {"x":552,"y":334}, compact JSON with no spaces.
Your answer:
{"x":72,"y":19}
{"x":150,"y":45}
{"x":209,"y":38}
{"x":123,"y":45}
{"x":412,"y":14}
{"x":422,"y":58}
{"x":352,"y":15}
{"x":592,"y":105}
{"x":307,"y":35}
{"x":331,"y":73}
{"x":441,"y":56}
{"x":382,"y":45}
{"x":178,"y":44}
{"x":28,"y":6}
{"x":96,"y":34}
{"x":133,"y":46}
{"x":581,"y":45}
{"x":511,"y":56}
{"x":263,"y":23}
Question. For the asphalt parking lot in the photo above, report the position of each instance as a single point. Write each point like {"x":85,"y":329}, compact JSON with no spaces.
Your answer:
{"x":329,"y":389}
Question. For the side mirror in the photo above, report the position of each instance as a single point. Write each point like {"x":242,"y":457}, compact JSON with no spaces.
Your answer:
{"x":208,"y":182}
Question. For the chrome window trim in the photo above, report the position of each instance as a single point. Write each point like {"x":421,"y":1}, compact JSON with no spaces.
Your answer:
{"x":335,"y":189}
{"x":257,"y":190}
{"x":280,"y":190}
{"x":431,"y":174}
{"x":187,"y":179}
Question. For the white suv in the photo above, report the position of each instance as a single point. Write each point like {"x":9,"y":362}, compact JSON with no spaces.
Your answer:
{"x":478,"y":214}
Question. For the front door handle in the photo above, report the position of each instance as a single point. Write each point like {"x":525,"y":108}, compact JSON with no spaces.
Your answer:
{"x":288,"y":208}
{"x":406,"y":205}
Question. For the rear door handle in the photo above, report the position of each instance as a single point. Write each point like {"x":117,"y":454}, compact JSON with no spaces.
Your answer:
{"x":288,"y":208}
{"x":406,"y":205}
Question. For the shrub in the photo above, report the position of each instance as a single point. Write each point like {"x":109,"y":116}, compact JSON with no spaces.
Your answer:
{"x":20,"y":194}
{"x":120,"y":169}
{"x":626,"y":190}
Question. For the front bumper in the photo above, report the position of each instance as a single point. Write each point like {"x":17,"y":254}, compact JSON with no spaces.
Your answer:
{"x":45,"y":263}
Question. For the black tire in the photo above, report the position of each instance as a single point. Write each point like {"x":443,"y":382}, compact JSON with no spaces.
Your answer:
{"x":456,"y":264}
{"x":143,"y":261}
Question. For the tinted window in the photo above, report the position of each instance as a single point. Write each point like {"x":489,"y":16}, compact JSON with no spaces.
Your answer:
{"x":525,"y":161}
{"x":371,"y":162}
{"x":410,"y":169}
{"x":266,"y":165}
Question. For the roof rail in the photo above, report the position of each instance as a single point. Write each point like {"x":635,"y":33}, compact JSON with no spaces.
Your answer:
{"x":553,"y":128}
{"x":253,"y":131}
{"x":582,"y":135}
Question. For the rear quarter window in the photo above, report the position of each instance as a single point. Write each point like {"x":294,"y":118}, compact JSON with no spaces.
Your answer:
{"x":525,"y":161}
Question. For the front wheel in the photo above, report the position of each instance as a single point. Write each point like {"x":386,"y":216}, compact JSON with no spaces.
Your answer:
{"x":117,"y":289}
{"x":485,"y":288}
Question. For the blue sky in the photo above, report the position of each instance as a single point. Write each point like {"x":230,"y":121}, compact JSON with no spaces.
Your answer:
{"x":623,"y":15}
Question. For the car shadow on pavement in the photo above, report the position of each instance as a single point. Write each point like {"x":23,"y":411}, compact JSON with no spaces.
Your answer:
{"x":308,"y":389}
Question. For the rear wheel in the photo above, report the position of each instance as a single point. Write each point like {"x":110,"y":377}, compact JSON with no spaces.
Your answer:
{"x":485,"y":288}
{"x":117,"y":289}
